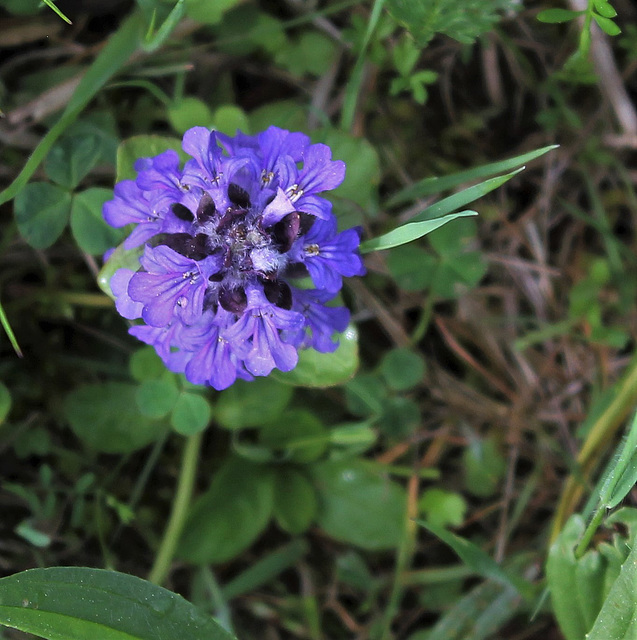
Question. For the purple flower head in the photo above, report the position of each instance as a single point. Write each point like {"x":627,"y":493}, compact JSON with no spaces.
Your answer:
{"x":225,"y":240}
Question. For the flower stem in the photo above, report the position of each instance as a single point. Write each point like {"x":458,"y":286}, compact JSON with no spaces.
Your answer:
{"x":593,"y":525}
{"x":185,"y":484}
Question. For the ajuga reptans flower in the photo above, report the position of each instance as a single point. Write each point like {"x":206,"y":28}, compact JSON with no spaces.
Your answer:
{"x":225,"y":242}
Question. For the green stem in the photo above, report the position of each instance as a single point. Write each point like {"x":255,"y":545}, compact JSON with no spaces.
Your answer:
{"x":593,"y":525}
{"x":185,"y":485}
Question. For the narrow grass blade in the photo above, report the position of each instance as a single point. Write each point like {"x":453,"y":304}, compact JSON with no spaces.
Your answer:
{"x":52,"y":6}
{"x":410,"y":231}
{"x":4,"y":321}
{"x":354,"y":83}
{"x":430,"y":186}
{"x":478,"y":615}
{"x":266,"y":569}
{"x":153,"y":42}
{"x":460,"y":199}
{"x":477,"y":559}
{"x":122,"y":44}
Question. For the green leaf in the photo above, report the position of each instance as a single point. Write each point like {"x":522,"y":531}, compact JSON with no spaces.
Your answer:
{"x":400,"y":417}
{"x":51,"y":5}
{"x":476,"y":559}
{"x":252,"y":404}
{"x":363,"y":166}
{"x":265,"y":569}
{"x":312,"y":53}
{"x":358,"y":505}
{"x":189,"y":112}
{"x":617,"y":619}
{"x":450,"y":242}
{"x":137,"y":147}
{"x":4,"y":321}
{"x":430,"y":186}
{"x":409,"y":232}
{"x":443,"y":508}
{"x":457,"y":200}
{"x":286,"y":114}
{"x":365,"y":395}
{"x":145,"y":364}
{"x":105,"y":417}
{"x":563,"y":577}
{"x":298,"y":435}
{"x":34,"y":537}
{"x":228,"y":118}
{"x":478,"y":615}
{"x":230,"y":515}
{"x":208,"y":12}
{"x":607,"y":25}
{"x":74,"y":603}
{"x":5,"y":402}
{"x":156,"y":398}
{"x":120,"y":259}
{"x":402,"y":369}
{"x":322,"y":370}
{"x":463,"y":20}
{"x":191,"y":414}
{"x":72,"y":158}
{"x":121,"y":45}
{"x":555,"y":16}
{"x":88,"y":226}
{"x":621,"y":474}
{"x":483,"y":466}
{"x":411,"y":267}
{"x":41,"y":212}
{"x":21,"y":7}
{"x":604,"y":8}
{"x":295,"y":502}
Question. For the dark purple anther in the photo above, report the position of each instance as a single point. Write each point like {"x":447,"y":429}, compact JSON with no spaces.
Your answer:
{"x":206,"y":209}
{"x":233,"y":300}
{"x":286,"y":230}
{"x":239,"y":196}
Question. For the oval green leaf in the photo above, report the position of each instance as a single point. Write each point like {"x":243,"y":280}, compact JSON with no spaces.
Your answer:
{"x":142,"y":147}
{"x":228,"y":517}
{"x":71,"y":603}
{"x":120,"y":259}
{"x":295,"y":502}
{"x":41,"y":213}
{"x":556,"y":16}
{"x":106,"y":418}
{"x":358,"y":505}
{"x":89,"y":228}
{"x":325,"y":369}
{"x":191,"y":414}
{"x":71,"y":159}
{"x":156,"y":398}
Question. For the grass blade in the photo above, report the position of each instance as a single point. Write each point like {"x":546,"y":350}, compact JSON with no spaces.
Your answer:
{"x":430,"y":186}
{"x":122,"y":44}
{"x":409,"y":232}
{"x":4,"y":321}
{"x":354,"y":84}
